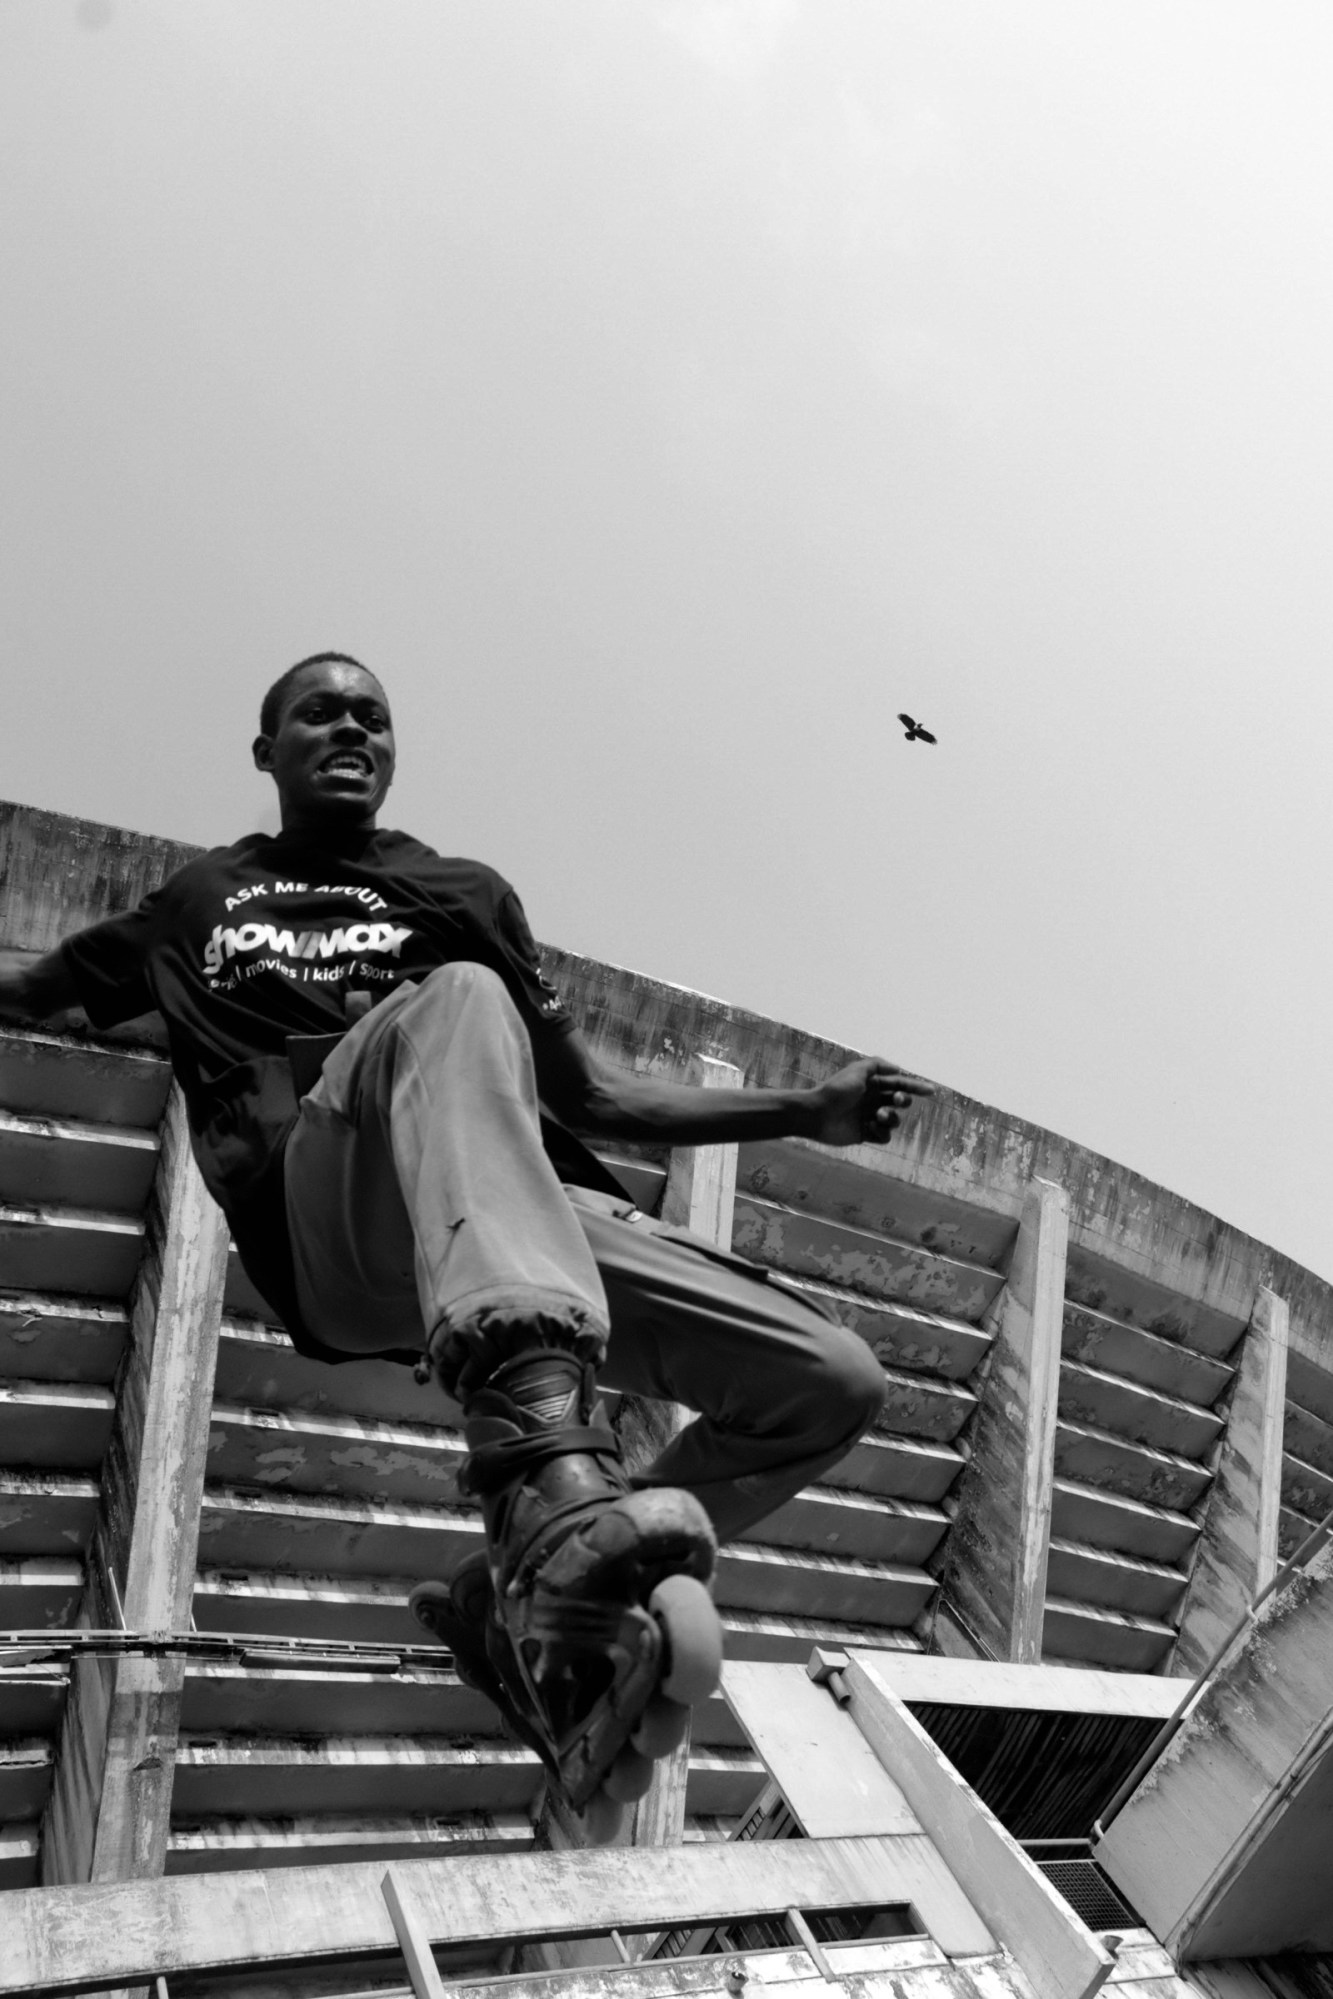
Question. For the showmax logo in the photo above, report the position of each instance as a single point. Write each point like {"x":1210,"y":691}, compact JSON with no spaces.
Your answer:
{"x":351,"y":938}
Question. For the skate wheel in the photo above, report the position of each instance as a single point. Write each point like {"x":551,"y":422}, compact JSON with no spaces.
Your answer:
{"x":603,"y":1817}
{"x":430,"y":1603}
{"x":629,"y":1777}
{"x":662,"y":1727}
{"x":689,"y":1621}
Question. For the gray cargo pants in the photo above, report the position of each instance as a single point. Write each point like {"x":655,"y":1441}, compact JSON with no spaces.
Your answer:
{"x":419,"y":1195}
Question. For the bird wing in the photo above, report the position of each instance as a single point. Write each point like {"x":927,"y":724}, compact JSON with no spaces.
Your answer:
{"x":907,"y":721}
{"x":925,"y":735}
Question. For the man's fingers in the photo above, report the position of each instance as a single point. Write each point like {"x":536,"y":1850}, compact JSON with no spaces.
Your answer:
{"x":891,"y":1082}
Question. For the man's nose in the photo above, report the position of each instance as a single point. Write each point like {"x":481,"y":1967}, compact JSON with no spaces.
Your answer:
{"x":350,"y":730}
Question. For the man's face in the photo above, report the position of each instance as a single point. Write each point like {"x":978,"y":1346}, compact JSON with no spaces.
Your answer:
{"x":332,"y":755}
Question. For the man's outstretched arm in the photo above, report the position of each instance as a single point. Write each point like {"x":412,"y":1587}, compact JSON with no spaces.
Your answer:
{"x":864,"y":1102}
{"x":33,"y":988}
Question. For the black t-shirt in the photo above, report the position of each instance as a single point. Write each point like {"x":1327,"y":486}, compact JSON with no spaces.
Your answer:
{"x":253,"y":943}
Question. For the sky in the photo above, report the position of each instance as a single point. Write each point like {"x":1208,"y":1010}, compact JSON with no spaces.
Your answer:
{"x":660,"y":397}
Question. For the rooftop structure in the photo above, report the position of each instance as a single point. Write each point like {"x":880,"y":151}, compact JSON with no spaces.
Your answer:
{"x":230,"y":1764}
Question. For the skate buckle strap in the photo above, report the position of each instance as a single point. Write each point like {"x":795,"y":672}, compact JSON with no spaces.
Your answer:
{"x":491,"y":1467}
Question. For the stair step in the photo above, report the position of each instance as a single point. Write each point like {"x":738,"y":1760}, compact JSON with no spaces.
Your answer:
{"x":1309,"y":1386}
{"x":90,"y":1253}
{"x":26,"y":1763}
{"x":241,"y":1775}
{"x":1091,"y":1456}
{"x":46,"y":1338}
{"x":820,"y":1180}
{"x":39,"y":1593}
{"x":1121,"y":1293}
{"x":246,"y":1701}
{"x":210,"y":1845}
{"x":373,"y":1610}
{"x":227,"y":1699}
{"x":830,"y":1522}
{"x":1292,"y":1529}
{"x":368,"y":1610}
{"x":45,"y":1513}
{"x":1092,"y":1637}
{"x":54,"y":1425}
{"x":809,"y":1246}
{"x":346,"y":1536}
{"x":20,"y":1846}
{"x":1127,"y":1526}
{"x":762,"y":1634}
{"x":259,"y":1368}
{"x":1081,"y":1574}
{"x":298,"y":1452}
{"x":32,"y":1700}
{"x":1305,"y":1489}
{"x":642,"y":1179}
{"x":1097,"y":1340}
{"x":47,"y":1075}
{"x":75,"y":1164}
{"x":245,"y":1776}
{"x":809,"y":1585}
{"x":1144,"y":1415}
{"x":898,"y":1467}
{"x":902,"y":1335}
{"x":916,"y":1406}
{"x":239,"y":1296}
{"x":341,"y":1535}
{"x":1309,"y":1439}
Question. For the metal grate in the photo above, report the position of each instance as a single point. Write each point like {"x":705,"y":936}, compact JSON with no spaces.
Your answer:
{"x":1089,"y":1894}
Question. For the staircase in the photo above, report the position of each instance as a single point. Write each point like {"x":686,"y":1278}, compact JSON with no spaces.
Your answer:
{"x":331,"y":1490}
{"x":1144,"y":1377}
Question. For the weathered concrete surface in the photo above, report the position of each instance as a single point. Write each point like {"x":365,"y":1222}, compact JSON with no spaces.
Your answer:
{"x":1058,"y":1955}
{"x":110,"y":1807}
{"x":134,"y":1931}
{"x":993,"y":1574}
{"x":1226,"y":1848}
{"x":1237,"y":1554}
{"x":1199,"y":1273}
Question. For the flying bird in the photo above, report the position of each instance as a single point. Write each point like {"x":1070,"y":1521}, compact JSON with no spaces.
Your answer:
{"x":915,"y":732}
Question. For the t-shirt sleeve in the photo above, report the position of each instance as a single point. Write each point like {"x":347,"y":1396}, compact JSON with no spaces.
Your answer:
{"x":109,"y":965}
{"x":519,"y":950}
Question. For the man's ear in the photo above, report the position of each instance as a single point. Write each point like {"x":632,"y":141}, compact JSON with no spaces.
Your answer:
{"x":262,"y":751}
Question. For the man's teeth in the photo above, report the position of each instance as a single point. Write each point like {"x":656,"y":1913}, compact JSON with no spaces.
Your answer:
{"x":357,"y":764}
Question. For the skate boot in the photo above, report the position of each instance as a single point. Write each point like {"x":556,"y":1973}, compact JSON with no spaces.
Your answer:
{"x":601,"y":1633}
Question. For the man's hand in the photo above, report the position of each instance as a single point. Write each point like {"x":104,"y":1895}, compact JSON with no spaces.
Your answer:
{"x":865,"y":1102}
{"x":32,"y":988}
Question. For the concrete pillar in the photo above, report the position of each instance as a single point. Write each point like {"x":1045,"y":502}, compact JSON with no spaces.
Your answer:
{"x":1237,"y":1551}
{"x":700,"y":1194}
{"x":994,"y":1577}
{"x":110,"y":1806}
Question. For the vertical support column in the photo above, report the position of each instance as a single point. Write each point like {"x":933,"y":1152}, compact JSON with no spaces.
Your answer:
{"x":700,"y":1194}
{"x":110,"y":1807}
{"x":1237,"y":1553}
{"x":995,"y":1571}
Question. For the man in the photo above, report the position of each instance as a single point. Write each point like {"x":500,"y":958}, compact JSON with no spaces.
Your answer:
{"x":374,"y":1066}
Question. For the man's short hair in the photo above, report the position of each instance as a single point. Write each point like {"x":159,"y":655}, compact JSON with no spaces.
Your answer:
{"x":270,"y":709}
